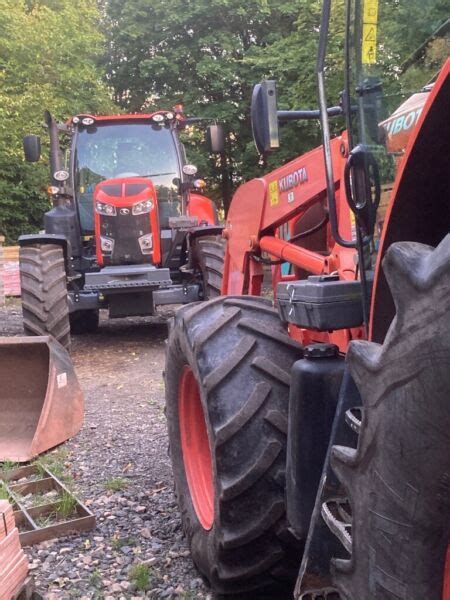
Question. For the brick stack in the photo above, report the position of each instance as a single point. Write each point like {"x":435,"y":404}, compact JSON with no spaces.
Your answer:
{"x":11,"y":275}
{"x":2,"y":287}
{"x":13,"y":562}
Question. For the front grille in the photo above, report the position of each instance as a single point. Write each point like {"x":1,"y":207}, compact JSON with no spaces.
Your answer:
{"x":125,"y":230}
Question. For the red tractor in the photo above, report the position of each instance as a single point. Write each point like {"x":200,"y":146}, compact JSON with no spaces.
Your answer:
{"x":310,"y":434}
{"x":129,"y":228}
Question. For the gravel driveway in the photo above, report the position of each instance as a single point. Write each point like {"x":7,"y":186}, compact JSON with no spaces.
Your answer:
{"x":119,"y":467}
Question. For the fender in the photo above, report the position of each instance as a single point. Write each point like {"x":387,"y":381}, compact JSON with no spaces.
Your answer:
{"x":196,"y":232}
{"x":50,"y":238}
{"x":418,"y":209}
{"x":203,"y":208}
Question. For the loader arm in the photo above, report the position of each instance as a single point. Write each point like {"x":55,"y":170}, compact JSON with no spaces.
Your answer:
{"x":262,"y":206}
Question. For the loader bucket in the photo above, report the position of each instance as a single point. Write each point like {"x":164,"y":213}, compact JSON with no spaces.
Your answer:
{"x":41,"y":403}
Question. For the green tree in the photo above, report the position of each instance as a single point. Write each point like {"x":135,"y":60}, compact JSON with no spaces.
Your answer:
{"x":48,"y":54}
{"x":199,"y":53}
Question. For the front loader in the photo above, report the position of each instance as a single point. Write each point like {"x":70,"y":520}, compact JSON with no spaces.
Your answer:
{"x":129,"y":229}
{"x":309,"y":434}
{"x":41,"y":402}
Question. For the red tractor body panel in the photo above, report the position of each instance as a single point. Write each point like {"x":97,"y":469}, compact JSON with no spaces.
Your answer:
{"x":265,"y":213}
{"x":203,"y":208}
{"x":126,"y":222}
{"x":419,"y":207}
{"x":401,"y":123}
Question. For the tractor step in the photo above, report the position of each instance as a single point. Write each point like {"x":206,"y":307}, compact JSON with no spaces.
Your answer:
{"x":336,"y":514}
{"x":128,"y":276}
{"x":353,"y":418}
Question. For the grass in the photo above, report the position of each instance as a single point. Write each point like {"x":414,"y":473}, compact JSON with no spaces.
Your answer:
{"x":116,"y":484}
{"x":45,"y":520}
{"x":3,"y":493}
{"x":8,"y":465}
{"x":141,"y":576}
{"x":37,"y":499}
{"x":118,"y":542}
{"x":65,"y":505}
{"x":96,"y":578}
{"x":55,"y":463}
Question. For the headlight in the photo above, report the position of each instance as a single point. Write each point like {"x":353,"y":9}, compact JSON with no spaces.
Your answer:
{"x":146,"y":243}
{"x":142,"y":207}
{"x":105,"y":209}
{"x":107,"y":244}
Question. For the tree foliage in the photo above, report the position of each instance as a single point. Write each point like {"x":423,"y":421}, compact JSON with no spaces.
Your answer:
{"x":207,"y":54}
{"x":48,"y":60}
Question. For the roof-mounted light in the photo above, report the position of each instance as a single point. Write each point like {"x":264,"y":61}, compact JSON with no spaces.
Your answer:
{"x":87,"y":121}
{"x":75,"y":120}
{"x":190,"y":170}
{"x":158,"y":118}
{"x":170,"y":116}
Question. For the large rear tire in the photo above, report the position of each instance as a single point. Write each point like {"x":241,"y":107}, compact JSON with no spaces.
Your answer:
{"x":227,"y":390}
{"x":208,"y":256}
{"x":44,"y":294}
{"x":398,"y":479}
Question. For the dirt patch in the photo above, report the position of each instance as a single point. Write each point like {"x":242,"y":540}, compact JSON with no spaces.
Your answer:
{"x":118,"y":465}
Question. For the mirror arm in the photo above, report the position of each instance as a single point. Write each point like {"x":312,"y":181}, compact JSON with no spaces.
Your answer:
{"x":294,"y":115}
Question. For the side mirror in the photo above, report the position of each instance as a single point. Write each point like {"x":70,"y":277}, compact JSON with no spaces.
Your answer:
{"x":264,"y":116}
{"x":215,"y":139}
{"x":32,"y":148}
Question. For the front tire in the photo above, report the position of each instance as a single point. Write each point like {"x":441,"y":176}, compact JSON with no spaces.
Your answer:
{"x":44,"y":294}
{"x":208,"y":256}
{"x":227,"y":390}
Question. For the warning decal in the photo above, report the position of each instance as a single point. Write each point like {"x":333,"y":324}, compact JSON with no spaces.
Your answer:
{"x":369,"y":37}
{"x":370,"y":12}
{"x":273,"y":193}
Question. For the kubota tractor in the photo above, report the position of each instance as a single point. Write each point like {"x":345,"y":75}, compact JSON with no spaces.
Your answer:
{"x":129,"y":228}
{"x":310,"y":435}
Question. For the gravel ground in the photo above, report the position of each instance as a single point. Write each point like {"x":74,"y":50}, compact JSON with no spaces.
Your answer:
{"x":119,"y":467}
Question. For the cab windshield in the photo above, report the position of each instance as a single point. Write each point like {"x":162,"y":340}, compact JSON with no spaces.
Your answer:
{"x":127,"y":150}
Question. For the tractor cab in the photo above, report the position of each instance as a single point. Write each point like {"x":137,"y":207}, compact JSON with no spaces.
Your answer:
{"x":128,"y":214}
{"x":127,"y":176}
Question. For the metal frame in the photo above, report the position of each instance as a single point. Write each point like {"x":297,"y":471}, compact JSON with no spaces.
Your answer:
{"x":29,"y":531}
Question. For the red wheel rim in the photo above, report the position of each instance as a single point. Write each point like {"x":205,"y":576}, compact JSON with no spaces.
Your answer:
{"x":195,"y":447}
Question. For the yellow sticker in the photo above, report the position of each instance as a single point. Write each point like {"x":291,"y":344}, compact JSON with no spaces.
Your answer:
{"x":273,"y":193}
{"x":369,"y":37}
{"x":370,"y":11}
{"x":369,"y":44}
